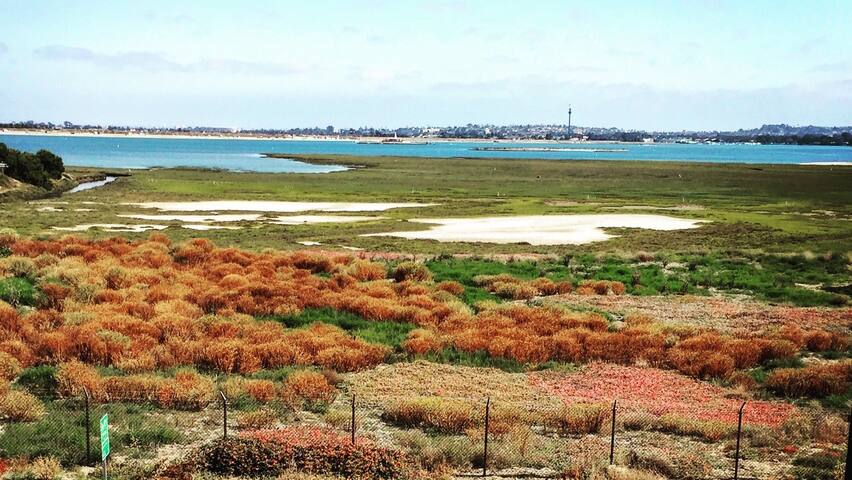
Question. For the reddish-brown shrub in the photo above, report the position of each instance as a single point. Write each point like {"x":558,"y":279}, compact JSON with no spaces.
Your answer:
{"x":818,"y":340}
{"x":420,"y":341}
{"x":363,"y":270}
{"x":9,"y":367}
{"x":307,"y":387}
{"x":74,"y":377}
{"x":260,"y":390}
{"x":452,"y":287}
{"x":812,"y":380}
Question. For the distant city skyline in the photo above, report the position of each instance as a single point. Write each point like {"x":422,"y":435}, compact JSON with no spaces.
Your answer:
{"x":657,"y":65}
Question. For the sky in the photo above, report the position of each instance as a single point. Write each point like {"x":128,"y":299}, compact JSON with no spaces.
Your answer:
{"x":654,"y":65}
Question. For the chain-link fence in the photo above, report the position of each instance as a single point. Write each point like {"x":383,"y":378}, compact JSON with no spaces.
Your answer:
{"x":458,"y":435}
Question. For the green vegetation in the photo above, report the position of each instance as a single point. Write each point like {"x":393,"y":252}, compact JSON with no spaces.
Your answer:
{"x":386,"y":333}
{"x":62,"y":432}
{"x":769,"y":277}
{"x":773,"y":208}
{"x":39,"y":380}
{"x":763,"y":220}
{"x":18,"y":291}
{"x":36,"y":169}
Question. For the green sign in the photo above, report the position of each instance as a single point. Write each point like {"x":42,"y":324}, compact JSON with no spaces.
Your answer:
{"x":104,"y":437}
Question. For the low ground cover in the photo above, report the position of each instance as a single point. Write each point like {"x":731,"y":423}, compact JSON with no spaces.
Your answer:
{"x":154,"y":330}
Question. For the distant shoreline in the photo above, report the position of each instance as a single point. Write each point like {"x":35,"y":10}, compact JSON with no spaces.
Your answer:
{"x":300,"y":138}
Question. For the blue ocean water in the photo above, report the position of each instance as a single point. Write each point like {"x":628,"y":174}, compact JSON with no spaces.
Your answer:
{"x":244,"y":155}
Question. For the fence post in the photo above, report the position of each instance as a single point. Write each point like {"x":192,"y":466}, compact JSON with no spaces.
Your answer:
{"x":739,"y":434}
{"x":846,"y":470}
{"x":224,"y":414}
{"x":353,"y":419}
{"x":612,"y":435}
{"x":88,"y":429}
{"x":485,"y":450}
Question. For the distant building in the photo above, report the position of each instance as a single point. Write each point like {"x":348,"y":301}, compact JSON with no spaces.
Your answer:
{"x":3,"y":168}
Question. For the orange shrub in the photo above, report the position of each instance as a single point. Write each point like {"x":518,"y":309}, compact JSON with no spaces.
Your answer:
{"x":420,"y":341}
{"x":601,"y":287}
{"x":9,"y":367}
{"x":452,"y":287}
{"x":812,"y":380}
{"x":74,"y":377}
{"x":818,"y":340}
{"x":363,"y":270}
{"x":307,"y":387}
{"x":260,"y":390}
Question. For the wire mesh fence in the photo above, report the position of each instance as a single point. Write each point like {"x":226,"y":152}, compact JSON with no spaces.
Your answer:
{"x":463,"y":435}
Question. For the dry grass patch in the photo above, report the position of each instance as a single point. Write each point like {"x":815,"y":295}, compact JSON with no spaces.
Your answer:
{"x":389,"y":383}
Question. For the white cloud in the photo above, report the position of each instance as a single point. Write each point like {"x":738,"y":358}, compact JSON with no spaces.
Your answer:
{"x":155,"y":62}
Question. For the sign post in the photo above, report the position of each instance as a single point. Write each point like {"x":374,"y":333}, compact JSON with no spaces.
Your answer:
{"x":105,"y":442}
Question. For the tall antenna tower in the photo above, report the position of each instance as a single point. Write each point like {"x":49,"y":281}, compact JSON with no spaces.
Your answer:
{"x":570,"y":132}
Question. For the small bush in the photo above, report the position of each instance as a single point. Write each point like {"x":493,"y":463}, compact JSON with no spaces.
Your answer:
{"x":10,"y":367}
{"x":439,"y":454}
{"x":411,"y":271}
{"x":432,"y":413}
{"x":18,"y":406}
{"x":308,"y":450}
{"x":41,"y":468}
{"x":580,"y":418}
{"x":257,"y":419}
{"x":811,"y":381}
{"x":452,"y":287}
{"x":40,"y":380}
{"x":308,"y":389}
{"x":421,"y":341}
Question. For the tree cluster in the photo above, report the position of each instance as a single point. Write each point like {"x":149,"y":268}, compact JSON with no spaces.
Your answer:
{"x":36,"y":169}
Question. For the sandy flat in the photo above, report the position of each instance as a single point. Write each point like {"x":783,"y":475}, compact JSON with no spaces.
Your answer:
{"x":307,"y":219}
{"x":538,"y":229}
{"x":194,"y":226}
{"x":111,"y":227}
{"x":273,"y":206}
{"x":309,"y":243}
{"x":195,"y":218}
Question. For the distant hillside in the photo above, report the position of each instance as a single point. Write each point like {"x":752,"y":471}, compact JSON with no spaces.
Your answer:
{"x":782,"y":129}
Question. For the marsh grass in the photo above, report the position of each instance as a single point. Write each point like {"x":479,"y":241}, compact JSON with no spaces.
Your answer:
{"x":385,"y":333}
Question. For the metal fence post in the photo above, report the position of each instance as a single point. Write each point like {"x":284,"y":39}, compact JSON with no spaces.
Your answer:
{"x":739,"y":434}
{"x":485,"y":450}
{"x":224,"y":414}
{"x":612,"y":435}
{"x":847,"y":472}
{"x":353,"y":419}
{"x":88,"y":429}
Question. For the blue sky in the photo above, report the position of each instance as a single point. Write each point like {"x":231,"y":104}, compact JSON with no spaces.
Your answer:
{"x":685,"y":64}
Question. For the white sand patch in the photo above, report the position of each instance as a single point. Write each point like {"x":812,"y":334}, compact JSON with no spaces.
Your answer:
{"x":195,"y":218}
{"x":354,"y":249}
{"x":829,"y":164}
{"x":48,"y":209}
{"x":111,"y":227}
{"x":193,"y":226}
{"x":308,"y":219}
{"x":276,"y":207}
{"x":538,"y":229}
{"x":309,"y":243}
{"x":84,"y":209}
